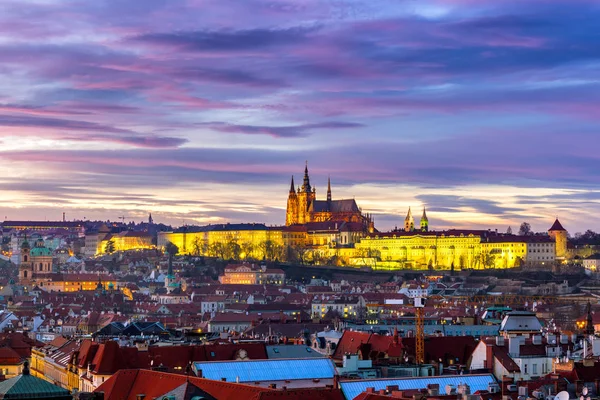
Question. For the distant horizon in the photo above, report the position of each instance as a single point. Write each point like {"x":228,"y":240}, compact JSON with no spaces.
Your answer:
{"x":485,"y":112}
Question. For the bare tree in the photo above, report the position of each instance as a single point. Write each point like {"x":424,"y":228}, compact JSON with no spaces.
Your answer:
{"x":525,"y":229}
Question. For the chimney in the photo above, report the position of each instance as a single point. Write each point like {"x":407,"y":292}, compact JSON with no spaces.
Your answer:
{"x":140,"y":396}
{"x":489,"y":357}
{"x":370,"y":390}
{"x":272,"y":386}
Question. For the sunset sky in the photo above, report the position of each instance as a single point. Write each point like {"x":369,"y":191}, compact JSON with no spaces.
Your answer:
{"x":485,"y":112}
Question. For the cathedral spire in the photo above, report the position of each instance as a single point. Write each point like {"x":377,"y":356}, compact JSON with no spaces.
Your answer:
{"x":292,"y":188}
{"x":306,"y":184}
{"x":329,"y":189}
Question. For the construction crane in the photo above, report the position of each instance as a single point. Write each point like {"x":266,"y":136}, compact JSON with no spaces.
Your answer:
{"x":122,"y":218}
{"x":420,"y":331}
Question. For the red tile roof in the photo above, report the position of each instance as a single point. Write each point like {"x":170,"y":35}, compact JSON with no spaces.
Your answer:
{"x":9,"y":357}
{"x":127,"y":384}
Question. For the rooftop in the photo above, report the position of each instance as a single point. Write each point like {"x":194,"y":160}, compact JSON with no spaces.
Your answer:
{"x":267,"y":370}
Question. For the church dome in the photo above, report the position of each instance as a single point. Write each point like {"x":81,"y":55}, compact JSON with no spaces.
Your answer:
{"x":41,"y":252}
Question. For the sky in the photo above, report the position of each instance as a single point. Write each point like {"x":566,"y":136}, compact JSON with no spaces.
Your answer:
{"x":200,"y":111}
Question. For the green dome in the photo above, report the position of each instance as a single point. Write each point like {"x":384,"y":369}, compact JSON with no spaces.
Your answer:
{"x":41,"y":252}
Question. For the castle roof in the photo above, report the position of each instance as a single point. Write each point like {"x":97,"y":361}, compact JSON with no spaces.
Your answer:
{"x":334,"y":206}
{"x":557,"y":226}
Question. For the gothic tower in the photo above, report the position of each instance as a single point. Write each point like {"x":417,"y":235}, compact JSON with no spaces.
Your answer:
{"x":291,"y":214}
{"x":559,"y":234}
{"x":424,"y":222}
{"x":409,"y":222}
{"x":306,"y":195}
{"x":329,"y":191}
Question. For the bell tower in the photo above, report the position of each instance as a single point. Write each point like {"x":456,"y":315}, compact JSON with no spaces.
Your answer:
{"x":26,"y":265}
{"x":291,"y":214}
{"x":409,"y":222}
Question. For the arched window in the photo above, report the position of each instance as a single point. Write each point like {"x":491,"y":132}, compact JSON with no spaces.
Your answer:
{"x":25,"y":258}
{"x":24,"y":274}
{"x":41,"y":269}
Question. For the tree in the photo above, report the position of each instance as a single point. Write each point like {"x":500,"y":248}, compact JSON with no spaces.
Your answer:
{"x":218,"y":250}
{"x":509,"y":231}
{"x":233,"y":250}
{"x":487,"y":259}
{"x":299,"y":253}
{"x":525,"y":229}
{"x":197,"y":246}
{"x":270,"y":250}
{"x":247,"y":249}
{"x":109,"y":248}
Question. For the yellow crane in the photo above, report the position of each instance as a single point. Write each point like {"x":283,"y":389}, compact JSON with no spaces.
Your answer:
{"x":419,"y":331}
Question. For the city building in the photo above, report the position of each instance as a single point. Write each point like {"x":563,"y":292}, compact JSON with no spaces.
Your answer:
{"x":78,"y":282}
{"x":123,"y":241}
{"x":251,"y":274}
{"x":418,"y":249}
{"x":592,"y":262}
{"x":73,"y":227}
{"x":303,"y":207}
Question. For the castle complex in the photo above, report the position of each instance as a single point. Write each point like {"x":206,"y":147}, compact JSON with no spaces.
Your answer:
{"x":338,"y":231}
{"x":303,"y":207}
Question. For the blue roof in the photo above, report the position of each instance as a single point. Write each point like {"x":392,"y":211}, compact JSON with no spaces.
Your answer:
{"x":285,"y":351}
{"x":351,"y":389}
{"x":267,"y":370}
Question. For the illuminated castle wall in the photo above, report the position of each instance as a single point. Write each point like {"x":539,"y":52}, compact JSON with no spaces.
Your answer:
{"x":246,"y":240}
{"x":463,"y":249}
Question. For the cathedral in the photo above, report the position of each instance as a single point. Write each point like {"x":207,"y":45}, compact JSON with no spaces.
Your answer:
{"x":36,"y":263}
{"x":303,"y":207}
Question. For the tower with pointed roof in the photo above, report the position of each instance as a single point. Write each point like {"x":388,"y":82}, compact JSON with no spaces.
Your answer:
{"x":291,"y":215}
{"x":329,"y":190}
{"x":424,"y":221}
{"x":559,"y":234}
{"x":409,"y":222}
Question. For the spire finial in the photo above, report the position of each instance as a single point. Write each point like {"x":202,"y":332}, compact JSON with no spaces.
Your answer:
{"x":306,"y":184}
{"x":292,"y":189}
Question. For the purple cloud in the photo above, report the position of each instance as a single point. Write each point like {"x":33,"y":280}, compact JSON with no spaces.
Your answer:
{"x":280,"y":131}
{"x":439,"y":94}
